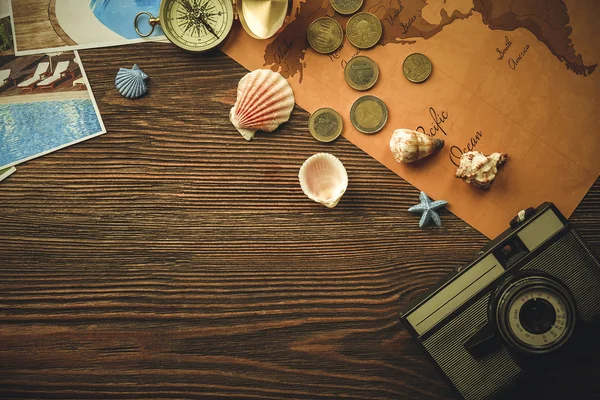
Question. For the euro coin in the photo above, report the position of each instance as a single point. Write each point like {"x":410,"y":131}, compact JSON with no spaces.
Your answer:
{"x":364,"y":30}
{"x":325,"y":125}
{"x":346,"y":7}
{"x":361,"y":73}
{"x":417,"y":67}
{"x":325,"y":35}
{"x":368,"y":114}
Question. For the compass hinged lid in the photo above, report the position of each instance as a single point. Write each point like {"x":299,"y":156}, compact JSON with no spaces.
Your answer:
{"x":263,"y":19}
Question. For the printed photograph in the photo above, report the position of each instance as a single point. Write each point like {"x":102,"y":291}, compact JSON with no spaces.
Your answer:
{"x":52,"y":25}
{"x":45,"y":104}
{"x":6,"y":35}
{"x":6,"y":172}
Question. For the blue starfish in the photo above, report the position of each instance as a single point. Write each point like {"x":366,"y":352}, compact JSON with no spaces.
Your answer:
{"x":428,"y":207}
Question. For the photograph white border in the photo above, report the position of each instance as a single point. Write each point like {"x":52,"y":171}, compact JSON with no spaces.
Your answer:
{"x":9,"y":14}
{"x":8,"y":173}
{"x":160,"y":39}
{"x":93,"y":135}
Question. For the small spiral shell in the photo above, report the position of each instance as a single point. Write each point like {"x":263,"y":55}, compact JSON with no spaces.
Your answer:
{"x":408,"y":146}
{"x":131,"y":82}
{"x":478,"y":169}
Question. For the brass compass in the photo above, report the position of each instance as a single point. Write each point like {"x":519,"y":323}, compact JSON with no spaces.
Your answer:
{"x":201,"y":25}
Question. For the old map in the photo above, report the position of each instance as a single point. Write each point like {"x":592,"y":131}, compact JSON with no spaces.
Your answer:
{"x":517,"y":76}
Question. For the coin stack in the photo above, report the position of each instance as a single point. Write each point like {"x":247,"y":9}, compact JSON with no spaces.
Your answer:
{"x":364,"y":30}
{"x":369,"y":113}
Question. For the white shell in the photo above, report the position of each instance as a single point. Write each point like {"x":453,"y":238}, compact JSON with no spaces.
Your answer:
{"x":408,"y":145}
{"x":478,"y":169}
{"x":265,"y":100}
{"x":323,"y":179}
{"x":131,"y":82}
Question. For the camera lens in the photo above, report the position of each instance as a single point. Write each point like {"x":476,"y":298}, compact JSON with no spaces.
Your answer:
{"x":534,"y":313}
{"x":537,"y":316}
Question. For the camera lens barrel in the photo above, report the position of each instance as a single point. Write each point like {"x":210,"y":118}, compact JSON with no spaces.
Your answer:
{"x":535,"y":314}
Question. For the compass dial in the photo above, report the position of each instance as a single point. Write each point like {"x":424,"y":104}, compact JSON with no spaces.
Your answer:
{"x":196,"y":25}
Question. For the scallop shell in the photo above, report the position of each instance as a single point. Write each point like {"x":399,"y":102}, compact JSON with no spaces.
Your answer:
{"x":408,"y":146}
{"x":131,"y":82}
{"x":323,"y":179}
{"x":265,"y":100}
{"x":478,"y":169}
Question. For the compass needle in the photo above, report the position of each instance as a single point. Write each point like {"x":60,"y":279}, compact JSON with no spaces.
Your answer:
{"x":208,"y":26}
{"x":186,"y":4}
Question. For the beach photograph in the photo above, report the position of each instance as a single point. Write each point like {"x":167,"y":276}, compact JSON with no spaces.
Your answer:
{"x":45,"y":104}
{"x":6,"y":34}
{"x":53,"y":25}
{"x":6,"y":172}
{"x":6,"y":37}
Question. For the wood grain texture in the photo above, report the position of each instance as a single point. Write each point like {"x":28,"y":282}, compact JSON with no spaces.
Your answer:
{"x":170,"y":258}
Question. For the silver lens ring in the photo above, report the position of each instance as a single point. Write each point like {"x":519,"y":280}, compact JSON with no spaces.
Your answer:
{"x":535,"y":314}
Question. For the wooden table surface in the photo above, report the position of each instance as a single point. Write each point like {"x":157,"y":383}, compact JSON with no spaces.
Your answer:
{"x":170,"y":258}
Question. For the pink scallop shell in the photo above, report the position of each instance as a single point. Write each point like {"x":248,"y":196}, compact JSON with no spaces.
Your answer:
{"x":265,"y":100}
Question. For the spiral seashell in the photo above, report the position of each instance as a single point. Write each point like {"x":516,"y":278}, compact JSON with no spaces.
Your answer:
{"x":265,"y":100}
{"x":478,"y":169}
{"x":131,"y":82}
{"x":323,"y":179}
{"x":408,"y":146}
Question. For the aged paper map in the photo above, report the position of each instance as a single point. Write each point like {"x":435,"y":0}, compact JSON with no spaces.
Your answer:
{"x":515,"y":76}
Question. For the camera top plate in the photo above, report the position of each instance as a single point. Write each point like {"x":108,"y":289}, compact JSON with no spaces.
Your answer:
{"x":495,"y":259}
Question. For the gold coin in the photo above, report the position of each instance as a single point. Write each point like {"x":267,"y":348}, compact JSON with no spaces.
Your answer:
{"x":368,"y":114}
{"x":416,"y":67}
{"x":346,"y":7}
{"x":325,"y":35}
{"x":325,"y":124}
{"x":361,"y":73}
{"x":364,"y":30}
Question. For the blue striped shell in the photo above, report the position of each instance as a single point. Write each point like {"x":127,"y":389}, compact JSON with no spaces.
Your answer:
{"x":131,"y":82}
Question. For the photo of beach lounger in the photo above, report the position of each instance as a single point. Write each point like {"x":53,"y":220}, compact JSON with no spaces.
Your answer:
{"x":38,"y":75}
{"x":59,"y":25}
{"x":45,"y":104}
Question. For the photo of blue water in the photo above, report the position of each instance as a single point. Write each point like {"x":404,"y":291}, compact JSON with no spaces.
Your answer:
{"x":118,"y":15}
{"x":28,"y":129}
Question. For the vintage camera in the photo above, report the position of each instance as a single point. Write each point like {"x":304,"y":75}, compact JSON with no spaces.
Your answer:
{"x":530,"y":294}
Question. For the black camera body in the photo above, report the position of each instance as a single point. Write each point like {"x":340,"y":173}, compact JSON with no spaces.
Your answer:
{"x":518,"y":306}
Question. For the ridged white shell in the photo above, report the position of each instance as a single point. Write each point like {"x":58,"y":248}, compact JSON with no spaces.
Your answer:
{"x":408,"y":145}
{"x":131,"y":82}
{"x":478,"y":169}
{"x":265,"y":100}
{"x":323,"y":179}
